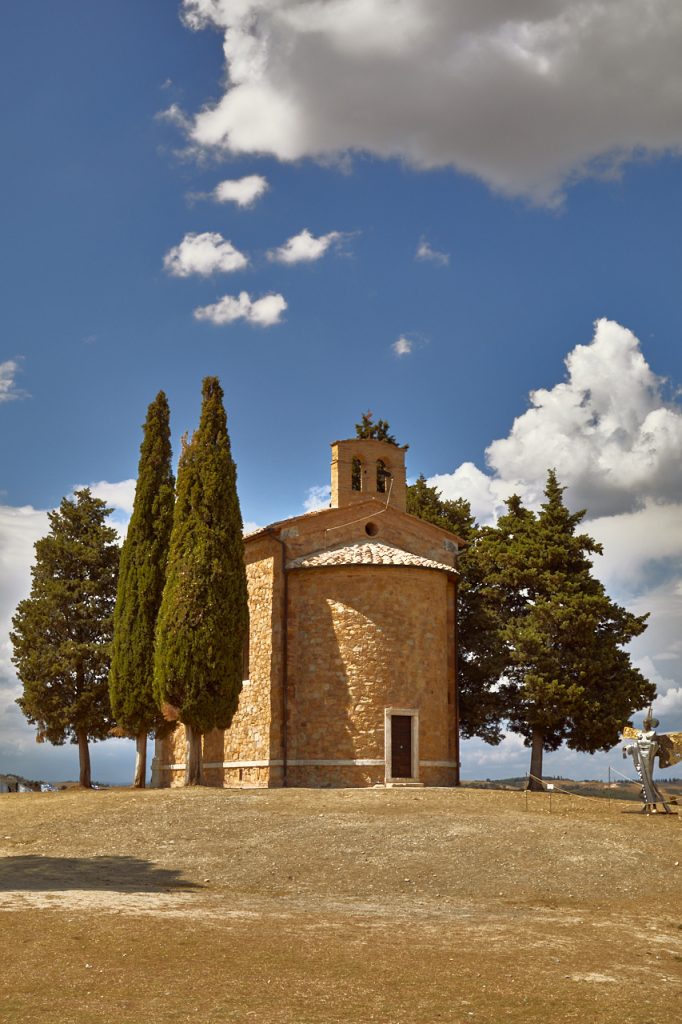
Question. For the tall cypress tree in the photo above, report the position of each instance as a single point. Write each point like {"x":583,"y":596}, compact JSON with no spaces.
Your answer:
{"x":567,"y":677}
{"x":140,"y":587}
{"x":203,"y":616}
{"x":62,"y":632}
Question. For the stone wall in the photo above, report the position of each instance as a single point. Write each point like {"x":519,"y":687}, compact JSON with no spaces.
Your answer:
{"x":363,"y":639}
{"x":339,"y":776}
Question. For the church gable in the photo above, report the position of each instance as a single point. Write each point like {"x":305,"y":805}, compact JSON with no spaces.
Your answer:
{"x":370,"y":521}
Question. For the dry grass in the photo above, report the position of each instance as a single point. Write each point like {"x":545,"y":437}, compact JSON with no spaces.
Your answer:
{"x":304,"y":906}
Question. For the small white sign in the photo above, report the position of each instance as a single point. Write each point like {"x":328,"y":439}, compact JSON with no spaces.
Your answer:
{"x":550,"y":785}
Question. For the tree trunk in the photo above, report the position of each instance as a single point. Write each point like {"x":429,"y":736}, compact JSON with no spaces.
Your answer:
{"x":140,"y":761}
{"x":193,"y":775}
{"x":84,"y":759}
{"x":536,"y":751}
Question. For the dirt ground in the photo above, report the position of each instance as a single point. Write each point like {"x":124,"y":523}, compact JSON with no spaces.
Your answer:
{"x":297,"y":906}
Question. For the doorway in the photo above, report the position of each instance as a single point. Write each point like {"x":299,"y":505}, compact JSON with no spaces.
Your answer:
{"x":401,"y":746}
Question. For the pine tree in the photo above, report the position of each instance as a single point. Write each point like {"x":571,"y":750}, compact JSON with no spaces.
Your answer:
{"x":426,"y":503}
{"x":567,"y":677}
{"x":203,"y":616}
{"x":479,"y":649}
{"x":368,"y":430}
{"x":140,"y":587}
{"x":62,"y":633}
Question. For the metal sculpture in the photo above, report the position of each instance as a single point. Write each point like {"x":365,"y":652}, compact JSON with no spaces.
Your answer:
{"x":648,"y":745}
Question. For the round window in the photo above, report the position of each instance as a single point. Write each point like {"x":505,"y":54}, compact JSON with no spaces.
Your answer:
{"x":371,"y":529}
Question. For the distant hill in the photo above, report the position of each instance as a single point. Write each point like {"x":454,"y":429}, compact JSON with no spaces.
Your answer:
{"x":617,"y":790}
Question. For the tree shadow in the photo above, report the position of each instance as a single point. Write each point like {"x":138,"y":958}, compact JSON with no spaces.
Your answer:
{"x":102,"y":874}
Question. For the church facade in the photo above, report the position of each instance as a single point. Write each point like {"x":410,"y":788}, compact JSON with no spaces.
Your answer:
{"x":350,"y":672}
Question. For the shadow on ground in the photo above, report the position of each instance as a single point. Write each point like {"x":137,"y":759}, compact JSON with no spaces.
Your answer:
{"x":104,"y":874}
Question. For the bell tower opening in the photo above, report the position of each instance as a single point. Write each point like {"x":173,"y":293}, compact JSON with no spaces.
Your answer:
{"x":363,"y":468}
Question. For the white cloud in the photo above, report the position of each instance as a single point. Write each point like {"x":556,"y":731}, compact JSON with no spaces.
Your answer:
{"x":20,"y":528}
{"x":317,"y":498}
{"x":304,"y":247}
{"x":527,"y":96}
{"x":427,"y":254}
{"x":120,"y":496}
{"x":242,"y":191}
{"x":607,"y":429}
{"x":174,"y":115}
{"x":207,"y":253}
{"x":511,"y":752}
{"x":669,"y":704}
{"x":658,"y":651}
{"x":636,"y":541}
{"x":8,"y":388}
{"x":485,"y":493}
{"x":263,"y":312}
{"x":402,"y":347}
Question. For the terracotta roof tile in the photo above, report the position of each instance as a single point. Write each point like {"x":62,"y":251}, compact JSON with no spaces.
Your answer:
{"x":365,"y":553}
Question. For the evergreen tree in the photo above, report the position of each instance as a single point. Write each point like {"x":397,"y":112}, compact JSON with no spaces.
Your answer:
{"x":479,"y":649}
{"x":140,"y":587}
{"x":368,"y":430}
{"x":426,"y":503}
{"x":62,"y":633}
{"x":203,"y":616}
{"x":566,"y":676}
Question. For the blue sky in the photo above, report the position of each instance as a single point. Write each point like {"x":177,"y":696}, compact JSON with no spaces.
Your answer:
{"x":478,"y":184}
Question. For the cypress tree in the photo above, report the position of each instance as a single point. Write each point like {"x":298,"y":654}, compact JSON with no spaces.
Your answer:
{"x":62,"y":633}
{"x":140,"y":587}
{"x":203,"y":616}
{"x":567,"y":677}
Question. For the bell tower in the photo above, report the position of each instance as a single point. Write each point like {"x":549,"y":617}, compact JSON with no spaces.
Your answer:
{"x":363,"y":469}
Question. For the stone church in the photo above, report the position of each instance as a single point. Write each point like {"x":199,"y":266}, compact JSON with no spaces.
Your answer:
{"x":350,"y":669}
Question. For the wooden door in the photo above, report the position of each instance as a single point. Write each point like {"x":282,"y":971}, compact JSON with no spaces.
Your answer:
{"x":401,"y":746}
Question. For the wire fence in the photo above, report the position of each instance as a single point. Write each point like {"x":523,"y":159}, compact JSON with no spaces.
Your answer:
{"x":550,"y":788}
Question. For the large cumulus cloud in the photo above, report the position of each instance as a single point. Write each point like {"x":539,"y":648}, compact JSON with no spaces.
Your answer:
{"x":525,"y":94}
{"x":607,"y":429}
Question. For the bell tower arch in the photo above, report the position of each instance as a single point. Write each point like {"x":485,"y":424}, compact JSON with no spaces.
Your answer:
{"x":363,"y":469}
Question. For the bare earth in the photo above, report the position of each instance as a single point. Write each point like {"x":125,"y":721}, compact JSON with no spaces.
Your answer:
{"x":298,"y":906}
